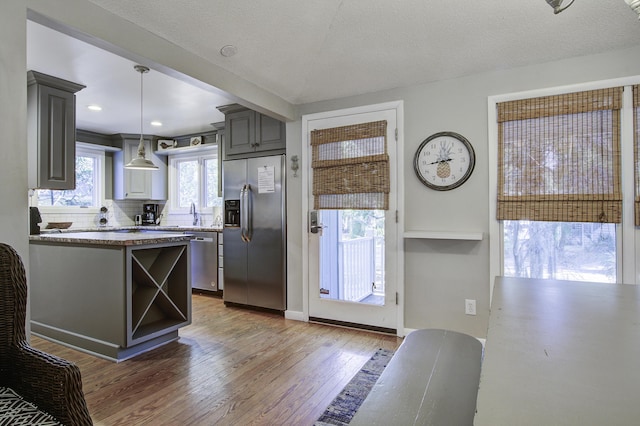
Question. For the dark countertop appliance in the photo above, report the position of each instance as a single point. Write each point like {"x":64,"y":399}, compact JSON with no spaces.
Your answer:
{"x":149,"y":214}
{"x":34,"y":220}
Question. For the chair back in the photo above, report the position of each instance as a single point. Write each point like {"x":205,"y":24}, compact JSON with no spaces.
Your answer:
{"x":13,"y":302}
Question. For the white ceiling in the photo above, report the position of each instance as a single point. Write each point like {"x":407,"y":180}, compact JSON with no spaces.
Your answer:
{"x":307,"y":51}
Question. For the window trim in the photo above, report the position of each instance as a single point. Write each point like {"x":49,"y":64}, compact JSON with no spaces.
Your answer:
{"x":99,"y":154}
{"x":629,"y":267}
{"x":212,"y":153}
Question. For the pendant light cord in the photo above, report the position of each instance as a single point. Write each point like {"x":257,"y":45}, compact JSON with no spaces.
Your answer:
{"x":142,"y":71}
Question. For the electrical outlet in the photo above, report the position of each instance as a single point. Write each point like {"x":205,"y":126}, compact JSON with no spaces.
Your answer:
{"x":470,"y":306}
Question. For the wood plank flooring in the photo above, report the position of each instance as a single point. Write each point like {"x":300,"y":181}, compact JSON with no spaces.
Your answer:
{"x":232,"y":366}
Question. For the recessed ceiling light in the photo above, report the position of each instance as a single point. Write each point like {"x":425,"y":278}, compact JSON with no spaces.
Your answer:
{"x":228,"y":50}
{"x":95,"y":107}
{"x":156,"y":123}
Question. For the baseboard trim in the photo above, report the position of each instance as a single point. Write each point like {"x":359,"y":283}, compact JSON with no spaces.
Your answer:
{"x":295,"y":315}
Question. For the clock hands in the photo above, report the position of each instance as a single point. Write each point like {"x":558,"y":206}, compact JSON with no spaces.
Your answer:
{"x":440,"y":161}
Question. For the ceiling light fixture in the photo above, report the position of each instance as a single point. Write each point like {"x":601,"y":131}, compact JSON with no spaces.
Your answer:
{"x":140,"y":162}
{"x":94,"y":107}
{"x":156,"y":123}
{"x":635,"y":5}
{"x":228,"y":50}
{"x":557,"y":5}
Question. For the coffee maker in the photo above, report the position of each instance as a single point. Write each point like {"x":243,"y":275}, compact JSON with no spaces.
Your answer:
{"x":34,"y":220}
{"x":149,"y":214}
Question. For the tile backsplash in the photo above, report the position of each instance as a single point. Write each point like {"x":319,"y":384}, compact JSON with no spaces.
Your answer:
{"x":122,"y":213}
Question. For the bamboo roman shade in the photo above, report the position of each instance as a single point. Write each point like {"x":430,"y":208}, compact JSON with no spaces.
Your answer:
{"x":351,"y":167}
{"x":636,"y":150}
{"x":559,"y":158}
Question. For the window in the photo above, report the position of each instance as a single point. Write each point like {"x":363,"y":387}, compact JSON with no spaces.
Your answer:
{"x":559,"y":185}
{"x":89,"y":183}
{"x":194,"y":179}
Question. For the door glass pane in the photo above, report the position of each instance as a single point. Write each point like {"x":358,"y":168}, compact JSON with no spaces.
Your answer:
{"x":352,"y":256}
{"x":560,"y":250}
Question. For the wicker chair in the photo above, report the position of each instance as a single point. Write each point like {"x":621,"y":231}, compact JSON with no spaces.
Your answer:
{"x":51,"y":383}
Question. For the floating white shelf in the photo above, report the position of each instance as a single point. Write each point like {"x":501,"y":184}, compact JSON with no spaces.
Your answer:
{"x":183,"y":149}
{"x":444,"y":235}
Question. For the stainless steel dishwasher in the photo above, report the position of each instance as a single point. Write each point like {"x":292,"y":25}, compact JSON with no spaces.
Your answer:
{"x":204,"y":260}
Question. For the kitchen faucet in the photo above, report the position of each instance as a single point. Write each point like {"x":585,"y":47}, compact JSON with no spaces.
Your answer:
{"x":192,"y":211}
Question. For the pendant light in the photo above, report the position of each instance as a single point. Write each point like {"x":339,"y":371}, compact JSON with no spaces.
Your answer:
{"x":557,"y":5}
{"x":635,"y":5}
{"x":140,"y":162}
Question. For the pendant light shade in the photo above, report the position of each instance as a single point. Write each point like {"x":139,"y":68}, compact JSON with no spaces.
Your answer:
{"x":141,"y":162}
{"x":557,"y":5}
{"x":635,"y":5}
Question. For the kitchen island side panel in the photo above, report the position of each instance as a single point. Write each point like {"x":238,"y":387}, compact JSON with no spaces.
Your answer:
{"x":79,"y":289}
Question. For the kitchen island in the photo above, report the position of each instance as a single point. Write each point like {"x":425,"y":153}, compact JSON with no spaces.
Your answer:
{"x":112,"y":294}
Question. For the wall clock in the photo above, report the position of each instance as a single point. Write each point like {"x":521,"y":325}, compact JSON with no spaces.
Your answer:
{"x":444,"y":161}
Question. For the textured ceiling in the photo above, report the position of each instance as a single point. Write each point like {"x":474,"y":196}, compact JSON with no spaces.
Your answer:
{"x":306,"y":51}
{"x":311,"y":50}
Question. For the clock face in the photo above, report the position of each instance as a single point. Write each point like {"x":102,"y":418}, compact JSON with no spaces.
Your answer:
{"x":444,"y":161}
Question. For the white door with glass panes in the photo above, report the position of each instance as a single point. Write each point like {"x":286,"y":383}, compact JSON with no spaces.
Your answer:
{"x":353,"y":244}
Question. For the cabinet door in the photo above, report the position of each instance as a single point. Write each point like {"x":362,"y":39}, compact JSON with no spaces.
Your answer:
{"x":137,"y":183}
{"x":240,"y":133}
{"x":55,"y":134}
{"x":271,"y":134}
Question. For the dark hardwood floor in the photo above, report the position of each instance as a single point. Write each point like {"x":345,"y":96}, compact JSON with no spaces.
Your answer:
{"x":232,"y":366}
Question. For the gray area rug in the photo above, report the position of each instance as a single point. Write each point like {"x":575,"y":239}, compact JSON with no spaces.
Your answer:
{"x":344,"y":406}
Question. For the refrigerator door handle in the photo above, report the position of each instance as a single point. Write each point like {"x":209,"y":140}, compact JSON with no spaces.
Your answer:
{"x":245,"y":213}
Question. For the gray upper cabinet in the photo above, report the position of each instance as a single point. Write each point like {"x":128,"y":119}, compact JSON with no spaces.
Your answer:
{"x":138,"y":184}
{"x":51,"y":131}
{"x":250,"y":134}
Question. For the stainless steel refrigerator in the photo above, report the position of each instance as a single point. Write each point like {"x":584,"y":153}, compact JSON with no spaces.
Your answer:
{"x":254,"y":234}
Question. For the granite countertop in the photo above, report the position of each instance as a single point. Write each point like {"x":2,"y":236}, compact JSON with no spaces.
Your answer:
{"x":113,"y":238}
{"x":168,"y":228}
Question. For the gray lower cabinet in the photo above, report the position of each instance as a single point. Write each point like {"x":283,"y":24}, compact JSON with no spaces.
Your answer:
{"x":51,"y":131}
{"x":249,"y":133}
{"x":111,"y":301}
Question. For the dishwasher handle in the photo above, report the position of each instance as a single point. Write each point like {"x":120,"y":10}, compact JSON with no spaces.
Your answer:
{"x":202,"y":240}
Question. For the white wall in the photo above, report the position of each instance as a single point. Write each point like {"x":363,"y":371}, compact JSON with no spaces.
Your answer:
{"x":440,"y":274}
{"x":14,"y":225}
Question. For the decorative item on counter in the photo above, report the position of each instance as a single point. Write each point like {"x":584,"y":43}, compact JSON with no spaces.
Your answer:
{"x":164,"y":144}
{"x":195,"y":141}
{"x":59,"y":225}
{"x":103,"y":216}
{"x":217,"y":214}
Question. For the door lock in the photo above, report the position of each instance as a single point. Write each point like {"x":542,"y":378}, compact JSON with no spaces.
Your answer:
{"x":314,"y":228}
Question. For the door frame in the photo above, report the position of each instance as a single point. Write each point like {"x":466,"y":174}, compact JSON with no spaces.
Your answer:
{"x":398,"y":106}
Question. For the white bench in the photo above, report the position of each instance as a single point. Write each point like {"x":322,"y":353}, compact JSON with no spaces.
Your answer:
{"x":432,"y":379}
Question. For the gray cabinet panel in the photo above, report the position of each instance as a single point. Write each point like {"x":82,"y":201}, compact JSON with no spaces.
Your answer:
{"x":251,"y":134}
{"x":271,"y":134}
{"x":240,"y":132}
{"x":51,"y":131}
{"x":138,"y":184}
